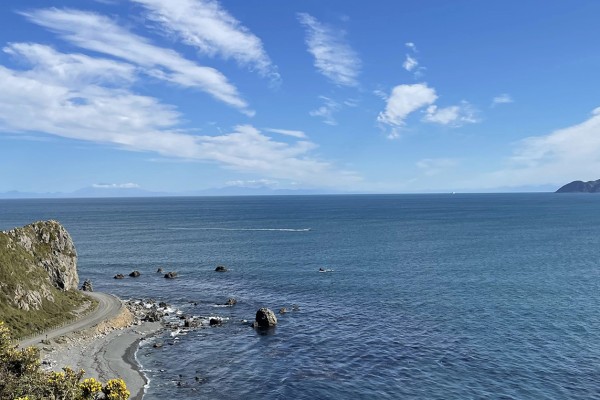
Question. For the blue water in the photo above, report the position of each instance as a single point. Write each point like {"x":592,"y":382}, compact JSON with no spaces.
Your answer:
{"x":432,"y":296}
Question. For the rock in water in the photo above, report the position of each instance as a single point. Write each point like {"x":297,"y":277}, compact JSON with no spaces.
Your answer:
{"x":87,"y":286}
{"x":135,"y":274}
{"x":119,"y":276}
{"x":52,"y":249}
{"x":221,"y":268}
{"x":230,"y":301}
{"x":159,"y":270}
{"x":171,"y":275}
{"x":265,"y":318}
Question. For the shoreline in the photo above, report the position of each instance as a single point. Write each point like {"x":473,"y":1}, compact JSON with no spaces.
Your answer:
{"x":130,"y":358}
{"x":105,"y":351}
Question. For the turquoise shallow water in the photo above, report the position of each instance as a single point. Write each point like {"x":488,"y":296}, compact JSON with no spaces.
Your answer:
{"x":432,"y":296}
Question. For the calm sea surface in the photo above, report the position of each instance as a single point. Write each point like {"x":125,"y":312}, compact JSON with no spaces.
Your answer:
{"x":432,"y":296}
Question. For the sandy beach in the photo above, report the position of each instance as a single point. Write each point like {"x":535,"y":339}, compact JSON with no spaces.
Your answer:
{"x":104,"y":351}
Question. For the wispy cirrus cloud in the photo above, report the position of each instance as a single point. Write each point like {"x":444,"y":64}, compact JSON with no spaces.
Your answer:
{"x":326,"y":111}
{"x":455,"y":116}
{"x":75,"y":104}
{"x":411,"y":64}
{"x":70,"y":69}
{"x":561,"y":156}
{"x":504,"y":98}
{"x":96,"y":32}
{"x":207,"y":26}
{"x":334,"y":58}
{"x":288,"y":132}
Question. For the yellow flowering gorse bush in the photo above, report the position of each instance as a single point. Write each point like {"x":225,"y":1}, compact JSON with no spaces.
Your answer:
{"x":21,"y":377}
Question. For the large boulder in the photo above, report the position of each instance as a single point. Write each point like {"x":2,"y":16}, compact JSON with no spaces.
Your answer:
{"x":221,"y":268}
{"x":52,"y":248}
{"x":134,"y":274}
{"x":171,"y":275}
{"x":231,"y":301}
{"x":87,"y":286}
{"x":265,"y":318}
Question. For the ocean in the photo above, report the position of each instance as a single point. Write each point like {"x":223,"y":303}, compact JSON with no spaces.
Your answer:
{"x":465,"y":296}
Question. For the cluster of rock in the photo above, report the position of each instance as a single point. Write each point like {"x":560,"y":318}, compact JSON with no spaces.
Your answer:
{"x":168,"y":275}
{"x":172,"y":318}
{"x":133,"y":274}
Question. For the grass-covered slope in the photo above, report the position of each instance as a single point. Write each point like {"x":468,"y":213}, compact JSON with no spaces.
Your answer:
{"x":34,"y":267}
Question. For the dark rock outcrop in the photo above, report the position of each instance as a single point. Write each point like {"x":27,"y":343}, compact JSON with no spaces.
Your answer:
{"x":153,"y":316}
{"x":119,"y":276}
{"x":221,"y":268}
{"x":134,"y":274}
{"x":230,"y":301}
{"x":171,"y":275}
{"x":581,"y":187}
{"x":159,"y":270}
{"x":191,"y":323}
{"x":265,"y":318}
{"x":87,"y":286}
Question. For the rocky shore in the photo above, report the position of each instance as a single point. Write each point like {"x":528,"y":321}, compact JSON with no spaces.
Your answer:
{"x":108,"y":349}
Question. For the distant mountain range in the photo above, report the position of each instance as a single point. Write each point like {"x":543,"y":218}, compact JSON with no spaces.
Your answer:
{"x":581,"y":187}
{"x":101,"y":192}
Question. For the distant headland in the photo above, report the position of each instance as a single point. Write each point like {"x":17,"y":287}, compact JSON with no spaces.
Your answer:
{"x":581,"y":187}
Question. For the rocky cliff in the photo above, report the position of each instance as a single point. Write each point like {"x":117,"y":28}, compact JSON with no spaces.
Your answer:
{"x":581,"y":187}
{"x":38,"y":276}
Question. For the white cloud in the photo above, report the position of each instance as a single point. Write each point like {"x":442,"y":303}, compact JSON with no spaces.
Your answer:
{"x":410,"y":63}
{"x":287,"y":132}
{"x":326,"y":111}
{"x":70,"y":69}
{"x":98,"y":33}
{"x":116,"y":185}
{"x":435,"y":166}
{"x":452,"y":116}
{"x":32,"y":102}
{"x":571,"y":153}
{"x":404,"y":100}
{"x":253,"y":183}
{"x":207,"y":26}
{"x":502,"y":99}
{"x":334,"y":58}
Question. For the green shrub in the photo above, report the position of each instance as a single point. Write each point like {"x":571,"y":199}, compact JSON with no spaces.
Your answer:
{"x":21,"y":377}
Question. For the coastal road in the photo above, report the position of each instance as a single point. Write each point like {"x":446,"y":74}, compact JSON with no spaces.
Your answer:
{"x":108,"y":307}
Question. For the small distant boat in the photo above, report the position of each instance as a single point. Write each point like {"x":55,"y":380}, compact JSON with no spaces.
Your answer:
{"x":325,"y":270}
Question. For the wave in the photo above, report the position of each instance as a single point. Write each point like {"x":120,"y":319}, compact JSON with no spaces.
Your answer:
{"x":243,"y":229}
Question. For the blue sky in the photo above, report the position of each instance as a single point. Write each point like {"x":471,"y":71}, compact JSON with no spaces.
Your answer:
{"x":383,"y":97}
